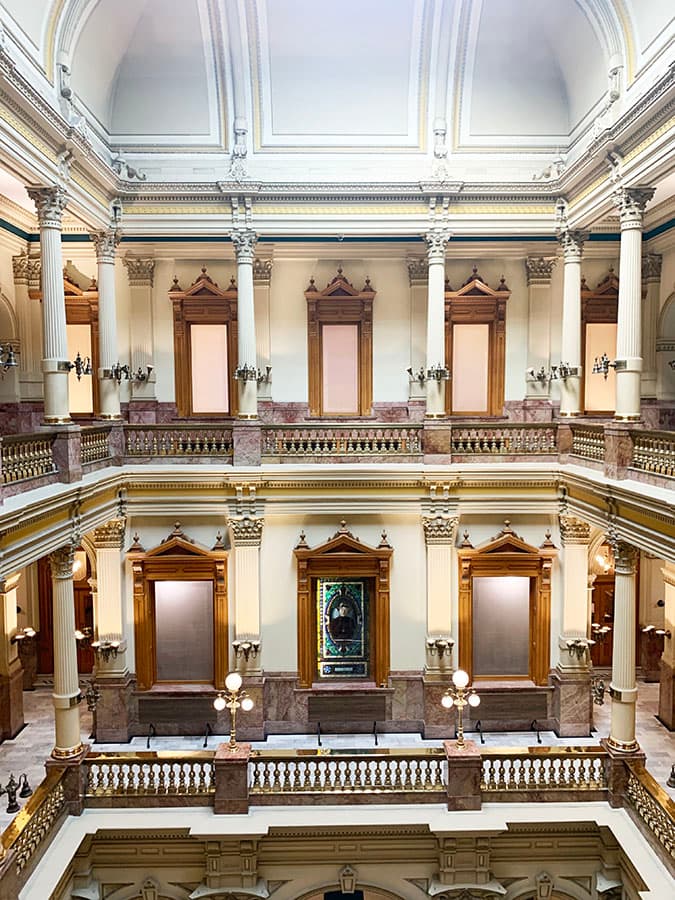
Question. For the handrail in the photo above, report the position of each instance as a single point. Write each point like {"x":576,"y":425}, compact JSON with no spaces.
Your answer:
{"x":652,"y":805}
{"x":35,"y":820}
{"x":378,"y":439}
{"x":508,"y":438}
{"x":183,"y":439}
{"x":94,"y":443}
{"x":654,"y":451}
{"x":156,"y":773}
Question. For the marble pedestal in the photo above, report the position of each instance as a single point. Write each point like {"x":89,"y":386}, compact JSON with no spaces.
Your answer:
{"x":113,"y":710}
{"x":11,"y":702}
{"x":667,"y":695}
{"x":572,"y":707}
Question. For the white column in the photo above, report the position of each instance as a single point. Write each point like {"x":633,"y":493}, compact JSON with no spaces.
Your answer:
{"x":246,"y":538}
{"x":141,"y":336}
{"x":50,"y":203}
{"x":105,"y":243}
{"x":108,"y":610}
{"x":631,"y":203}
{"x":436,"y":241}
{"x":575,"y":536}
{"x":418,"y":275}
{"x":244,"y":244}
{"x":623,"y":690}
{"x":572,"y":243}
{"x":651,"y":283}
{"x":66,"y":684}
{"x":539,"y":270}
{"x":439,"y":537}
{"x":262,"y":280}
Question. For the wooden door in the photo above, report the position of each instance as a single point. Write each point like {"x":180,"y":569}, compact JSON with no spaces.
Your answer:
{"x":84,"y":619}
{"x":602,"y":614}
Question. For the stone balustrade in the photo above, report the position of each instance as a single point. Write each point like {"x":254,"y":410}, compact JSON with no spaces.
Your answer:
{"x":654,"y":451}
{"x":542,"y":770}
{"x":177,"y":441}
{"x":171,"y":776}
{"x":323,"y":442}
{"x":505,"y":440}
{"x":95,"y":445}
{"x":652,"y":810}
{"x":27,"y":456}
{"x":588,"y":442}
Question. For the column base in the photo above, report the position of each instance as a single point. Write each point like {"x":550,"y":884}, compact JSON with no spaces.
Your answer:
{"x":623,"y":746}
{"x":572,"y":708}
{"x":68,"y":752}
{"x":11,"y":703}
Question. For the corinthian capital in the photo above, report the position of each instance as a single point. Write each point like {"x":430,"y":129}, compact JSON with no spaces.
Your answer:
{"x":50,"y":201}
{"x":539,"y":269}
{"x":34,"y":272}
{"x":631,"y":203}
{"x":574,"y":531}
{"x":139,"y":271}
{"x":106,"y":242}
{"x":20,"y":268}
{"x":418,"y":271}
{"x":110,"y":536}
{"x":651,"y":267}
{"x":244,"y":240}
{"x":436,"y":240}
{"x":61,"y":561}
{"x":262,"y":271}
{"x":246,"y":531}
{"x":572,"y":243}
{"x":439,"y":529}
{"x":625,"y":556}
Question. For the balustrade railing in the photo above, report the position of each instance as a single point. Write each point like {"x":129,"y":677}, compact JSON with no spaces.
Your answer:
{"x":311,"y":772}
{"x":177,"y":440}
{"x":504,"y":439}
{"x":653,"y":808}
{"x":27,"y":456}
{"x":173,"y":776}
{"x":539,"y":770}
{"x":94,"y":444}
{"x":34,"y":824}
{"x":389,"y":441}
{"x":588,"y":442}
{"x":654,"y":451}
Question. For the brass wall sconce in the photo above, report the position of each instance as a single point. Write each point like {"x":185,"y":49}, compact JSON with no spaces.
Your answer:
{"x":83,"y":634}
{"x":440,"y":646}
{"x":252,"y":373}
{"x":433,"y":373}
{"x":106,"y":649}
{"x":600,"y":632}
{"x":81,"y":366}
{"x":602,"y":365}
{"x":7,"y":359}
{"x":27,"y":633}
{"x":555,"y":373}
{"x":579,"y":647}
{"x":232,"y":698}
{"x":120,"y":372}
{"x":247,"y":648}
{"x":460,"y":696}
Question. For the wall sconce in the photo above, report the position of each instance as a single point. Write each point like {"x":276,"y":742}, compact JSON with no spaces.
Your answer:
{"x":440,"y":646}
{"x":26,"y":633}
{"x":347,"y":880}
{"x":542,"y":375}
{"x":602,"y":365}
{"x":420,"y":375}
{"x":663,"y":632}
{"x":460,"y":696}
{"x":119,"y":372}
{"x":106,"y":649}
{"x":81,"y":366}
{"x":671,"y":363}
{"x":233,"y":698}
{"x":252,"y":373}
{"x":600,"y":632}
{"x":142,"y":374}
{"x":82,"y":634}
{"x":578,"y":647}
{"x":434,"y":373}
{"x":246,"y":648}
{"x":7,"y":359}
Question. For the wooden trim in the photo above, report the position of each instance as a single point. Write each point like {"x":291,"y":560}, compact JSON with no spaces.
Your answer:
{"x":508,"y":555}
{"x":204,"y":303}
{"x":339,"y":304}
{"x":343,"y":557}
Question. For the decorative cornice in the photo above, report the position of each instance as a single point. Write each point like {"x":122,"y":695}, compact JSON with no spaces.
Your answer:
{"x":540,"y":269}
{"x":111,"y":535}
{"x":631,"y":203}
{"x":140,"y":272}
{"x":246,"y":531}
{"x":262,"y":272}
{"x":418,"y":271}
{"x":439,"y":529}
{"x":50,"y":201}
{"x":106,"y":242}
{"x":574,"y":531}
{"x":244,"y":240}
{"x":651,"y":267}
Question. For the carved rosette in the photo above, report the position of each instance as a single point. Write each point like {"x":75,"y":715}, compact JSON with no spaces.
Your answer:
{"x":572,"y":243}
{"x":140,"y":272}
{"x":262,"y":272}
{"x":20,"y":268}
{"x":539,"y":269}
{"x":49,"y":203}
{"x":439,"y":529}
{"x":61,"y":561}
{"x":631,"y":203}
{"x":418,"y":271}
{"x":246,"y":531}
{"x":436,"y":240}
{"x":111,"y":535}
{"x":106,"y":243}
{"x":574,"y":531}
{"x":651,"y":267}
{"x":244,"y":240}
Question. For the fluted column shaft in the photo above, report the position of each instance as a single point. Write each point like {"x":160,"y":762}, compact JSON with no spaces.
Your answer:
{"x":246,"y":534}
{"x":436,"y":241}
{"x":50,"y":203}
{"x":651,"y":282}
{"x":108,"y":609}
{"x":623,"y":690}
{"x":631,"y":203}
{"x":105,"y":243}
{"x":66,"y":684}
{"x":572,"y":243}
{"x":439,"y":537}
{"x":244,"y":244}
{"x":539,"y":272}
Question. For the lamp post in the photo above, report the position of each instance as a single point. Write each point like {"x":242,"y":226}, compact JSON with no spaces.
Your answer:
{"x":460,"y":696}
{"x":233,"y":698}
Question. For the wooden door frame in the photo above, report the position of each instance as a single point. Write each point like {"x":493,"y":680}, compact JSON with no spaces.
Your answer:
{"x":344,"y":557}
{"x":509,"y":555}
{"x":177,"y":559}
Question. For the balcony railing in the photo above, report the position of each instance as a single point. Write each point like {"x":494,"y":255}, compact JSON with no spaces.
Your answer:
{"x":344,"y":441}
{"x":95,"y":445}
{"x":27,"y":457}
{"x":588,"y":442}
{"x":542,"y":769}
{"x":171,"y":776}
{"x":506,"y":440}
{"x":654,"y":451}
{"x":178,"y":441}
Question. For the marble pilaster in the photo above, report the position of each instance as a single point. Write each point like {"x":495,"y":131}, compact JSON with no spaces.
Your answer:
{"x":439,"y":537}
{"x":106,"y":243}
{"x":262,"y":281}
{"x":418,"y":276}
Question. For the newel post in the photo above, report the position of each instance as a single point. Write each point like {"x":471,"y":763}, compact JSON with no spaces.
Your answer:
{"x":465,"y":768}
{"x":231,"y":779}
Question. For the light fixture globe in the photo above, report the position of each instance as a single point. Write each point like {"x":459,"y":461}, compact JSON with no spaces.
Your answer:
{"x":460,"y":678}
{"x":447,"y":701}
{"x":219,"y":703}
{"x":233,"y":681}
{"x":247,"y":704}
{"x":474,"y":700}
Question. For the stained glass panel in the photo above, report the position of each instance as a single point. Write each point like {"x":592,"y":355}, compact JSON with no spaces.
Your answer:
{"x":343,"y":629}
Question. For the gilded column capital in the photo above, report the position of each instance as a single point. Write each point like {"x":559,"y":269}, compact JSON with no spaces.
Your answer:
{"x":631,"y":203}
{"x":625,"y":556}
{"x":418,"y":271}
{"x":651,"y":267}
{"x":111,"y":535}
{"x":140,"y":272}
{"x":20,"y":268}
{"x":540,"y":269}
{"x":246,"y":530}
{"x":61,"y":561}
{"x":50,"y":201}
{"x":572,"y":243}
{"x":244,"y":240}
{"x":574,"y":531}
{"x":106,"y":242}
{"x":436,"y":239}
{"x":439,"y":529}
{"x":262,"y":272}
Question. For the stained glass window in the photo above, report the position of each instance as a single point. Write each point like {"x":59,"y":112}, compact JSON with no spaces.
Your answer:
{"x":343,"y":629}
